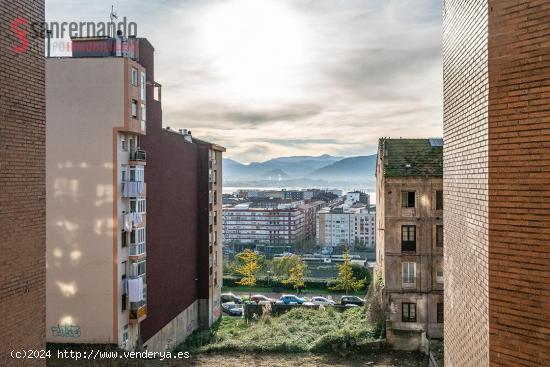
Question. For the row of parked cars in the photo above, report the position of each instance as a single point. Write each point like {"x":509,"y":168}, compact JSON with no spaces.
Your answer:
{"x":233,"y":304}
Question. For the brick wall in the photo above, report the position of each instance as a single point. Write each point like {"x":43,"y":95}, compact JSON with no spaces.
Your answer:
{"x":22,"y":186}
{"x":497,"y":182}
{"x":519,"y":182}
{"x":465,"y":53}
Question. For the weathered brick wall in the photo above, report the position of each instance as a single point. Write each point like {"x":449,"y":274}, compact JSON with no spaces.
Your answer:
{"x":519,"y":182}
{"x":22,"y":190}
{"x":465,"y":183}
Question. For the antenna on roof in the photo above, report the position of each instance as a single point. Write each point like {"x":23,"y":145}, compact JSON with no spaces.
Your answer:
{"x":112,"y":17}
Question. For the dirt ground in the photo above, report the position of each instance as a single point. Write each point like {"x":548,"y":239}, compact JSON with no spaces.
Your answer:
{"x":374,"y":359}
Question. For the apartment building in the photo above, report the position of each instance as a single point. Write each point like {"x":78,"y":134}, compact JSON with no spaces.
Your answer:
{"x":246,"y":225}
{"x":22,"y":183}
{"x":124,"y":211}
{"x":346,"y":226}
{"x":496,"y":182}
{"x":409,"y":240}
{"x":310,"y":210}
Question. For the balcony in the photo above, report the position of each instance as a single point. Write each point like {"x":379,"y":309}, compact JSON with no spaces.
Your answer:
{"x":137,"y":157}
{"x":138,"y":312}
{"x":134,"y":189}
{"x":133,"y":220}
{"x":137,"y":251}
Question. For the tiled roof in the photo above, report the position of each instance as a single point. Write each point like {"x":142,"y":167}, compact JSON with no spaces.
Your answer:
{"x":411,"y":157}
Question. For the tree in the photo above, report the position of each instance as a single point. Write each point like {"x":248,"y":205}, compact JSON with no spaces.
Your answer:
{"x":247,"y":268}
{"x":296,"y":272}
{"x":361,"y":272}
{"x":346,"y":281}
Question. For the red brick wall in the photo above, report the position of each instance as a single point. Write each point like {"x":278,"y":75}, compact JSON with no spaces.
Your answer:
{"x":465,"y":183}
{"x":519,"y":182}
{"x":22,"y":186}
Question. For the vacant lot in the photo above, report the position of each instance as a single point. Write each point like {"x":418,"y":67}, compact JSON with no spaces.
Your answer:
{"x":299,"y":330}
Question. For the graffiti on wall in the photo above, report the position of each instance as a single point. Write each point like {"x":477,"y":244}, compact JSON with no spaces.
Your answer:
{"x":66,"y":331}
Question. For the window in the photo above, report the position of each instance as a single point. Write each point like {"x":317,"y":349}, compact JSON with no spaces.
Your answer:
{"x":124,"y":239}
{"x":142,"y":86}
{"x":439,"y":275}
{"x":409,"y":274}
{"x":440,"y":313}
{"x":123,"y":302}
{"x":137,"y":269}
{"x":125,"y":335}
{"x":439,"y":200}
{"x":137,"y":173}
{"x":123,"y":143}
{"x":408,"y":238}
{"x":123,"y":270}
{"x":134,"y":109}
{"x":143,"y":116}
{"x":408,"y":199}
{"x":137,"y":206}
{"x":439,"y":236}
{"x":408,"y":312}
{"x":134,"y":76}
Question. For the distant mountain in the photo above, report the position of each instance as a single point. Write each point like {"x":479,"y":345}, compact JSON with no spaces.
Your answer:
{"x":301,"y":170}
{"x":295,"y":167}
{"x":352,"y":169}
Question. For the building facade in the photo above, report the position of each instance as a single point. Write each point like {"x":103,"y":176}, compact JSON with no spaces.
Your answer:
{"x":22,"y":184}
{"x":496,"y":182}
{"x":124,"y":210}
{"x":346,"y":227}
{"x":283,"y":226}
{"x":409,"y":243}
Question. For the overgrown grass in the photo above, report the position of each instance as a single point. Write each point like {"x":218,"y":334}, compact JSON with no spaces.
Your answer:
{"x":299,"y":330}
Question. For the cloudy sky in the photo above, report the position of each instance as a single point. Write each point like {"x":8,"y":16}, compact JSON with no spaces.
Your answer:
{"x":289,"y":77}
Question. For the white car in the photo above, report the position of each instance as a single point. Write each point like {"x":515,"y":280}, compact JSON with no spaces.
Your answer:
{"x":322,"y":301}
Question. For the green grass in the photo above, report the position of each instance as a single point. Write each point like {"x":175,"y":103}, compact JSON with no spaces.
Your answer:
{"x":299,"y":330}
{"x":316,"y":292}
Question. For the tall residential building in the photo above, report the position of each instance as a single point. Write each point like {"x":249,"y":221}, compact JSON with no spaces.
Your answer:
{"x":283,"y":226}
{"x":346,"y":227}
{"x":22,"y":184}
{"x":127,"y":215}
{"x":409,"y":242}
{"x":497,"y":182}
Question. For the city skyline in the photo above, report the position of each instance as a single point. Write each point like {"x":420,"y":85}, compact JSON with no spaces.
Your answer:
{"x":290,"y":78}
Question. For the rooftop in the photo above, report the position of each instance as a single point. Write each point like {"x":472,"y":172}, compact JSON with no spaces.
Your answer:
{"x":411,"y":157}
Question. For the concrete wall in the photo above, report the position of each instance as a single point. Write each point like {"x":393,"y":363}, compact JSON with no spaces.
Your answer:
{"x":85,"y":102}
{"x":175,"y":331}
{"x":22,"y":185}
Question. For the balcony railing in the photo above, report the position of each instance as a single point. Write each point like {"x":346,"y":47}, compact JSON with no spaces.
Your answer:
{"x":138,"y":155}
{"x":133,"y":189}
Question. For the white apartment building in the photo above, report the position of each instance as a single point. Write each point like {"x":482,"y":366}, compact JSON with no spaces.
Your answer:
{"x":349,"y":226}
{"x":281,"y":226}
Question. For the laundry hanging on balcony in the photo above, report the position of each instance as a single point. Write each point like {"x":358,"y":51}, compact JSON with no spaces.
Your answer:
{"x":135,"y":289}
{"x":133,"y":188}
{"x":132,"y":220}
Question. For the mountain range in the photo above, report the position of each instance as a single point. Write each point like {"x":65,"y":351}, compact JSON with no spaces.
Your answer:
{"x":312,"y":171}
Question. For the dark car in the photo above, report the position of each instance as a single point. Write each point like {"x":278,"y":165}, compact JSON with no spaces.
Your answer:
{"x":232,"y":308}
{"x":230,"y":297}
{"x":352,"y":300}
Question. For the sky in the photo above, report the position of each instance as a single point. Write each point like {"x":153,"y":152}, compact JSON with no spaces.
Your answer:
{"x":270,"y":78}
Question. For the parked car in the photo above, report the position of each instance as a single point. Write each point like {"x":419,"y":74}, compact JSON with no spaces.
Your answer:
{"x":288,"y":299}
{"x":318,"y":300}
{"x":232,"y":308}
{"x":260,"y":299}
{"x":352,"y":300}
{"x":230,"y":297}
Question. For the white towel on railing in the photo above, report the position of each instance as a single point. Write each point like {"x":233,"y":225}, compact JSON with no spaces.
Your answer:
{"x":135,"y":289}
{"x":132,"y":220}
{"x":133,"y":188}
